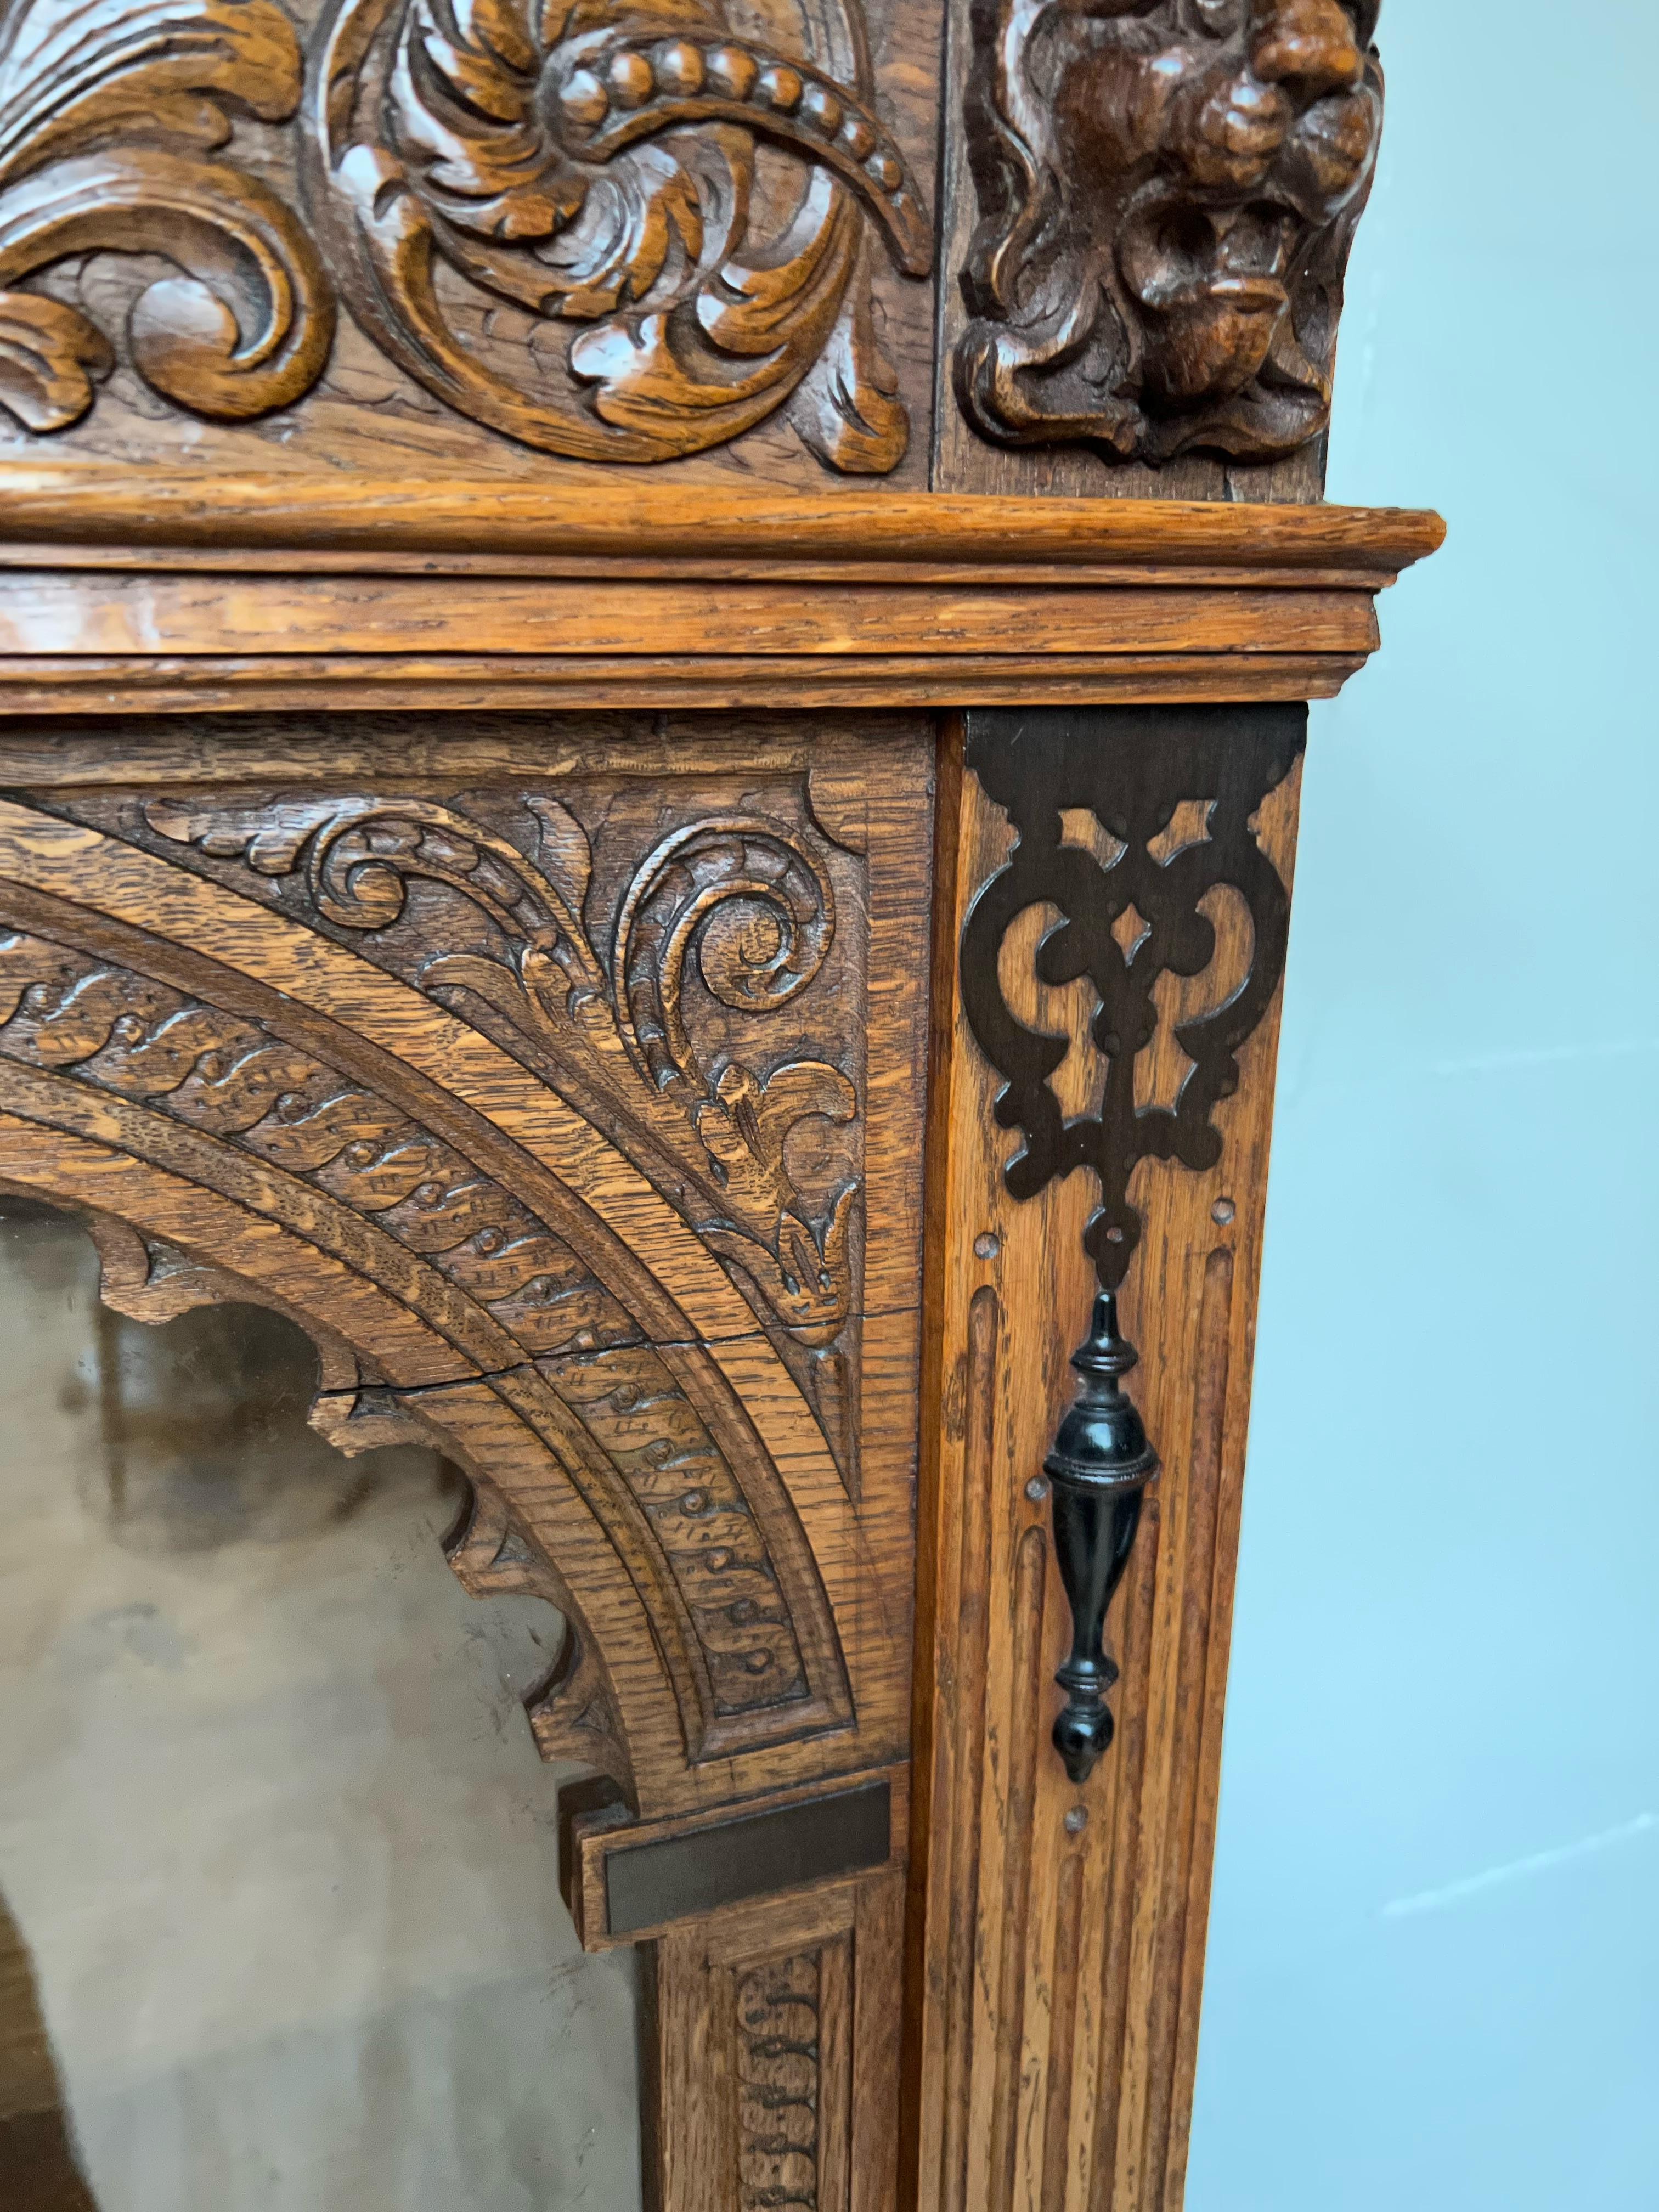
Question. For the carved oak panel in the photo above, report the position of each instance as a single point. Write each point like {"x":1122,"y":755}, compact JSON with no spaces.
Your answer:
{"x":607,"y":232}
{"x":720,"y":915}
{"x":545,"y":1104}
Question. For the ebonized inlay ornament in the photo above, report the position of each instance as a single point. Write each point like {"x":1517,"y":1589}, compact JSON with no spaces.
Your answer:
{"x":1132,"y":769}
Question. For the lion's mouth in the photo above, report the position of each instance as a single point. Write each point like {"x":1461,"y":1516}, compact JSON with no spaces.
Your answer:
{"x":1242,"y":294}
{"x":1175,"y":253}
{"x":1207,"y":279}
{"x":1206,"y":339}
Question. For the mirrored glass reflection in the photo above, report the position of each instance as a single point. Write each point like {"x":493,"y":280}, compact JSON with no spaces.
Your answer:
{"x":279,"y":1919}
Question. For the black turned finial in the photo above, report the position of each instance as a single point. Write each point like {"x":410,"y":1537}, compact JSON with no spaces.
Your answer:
{"x":1100,"y":1466}
{"x":1131,"y":770}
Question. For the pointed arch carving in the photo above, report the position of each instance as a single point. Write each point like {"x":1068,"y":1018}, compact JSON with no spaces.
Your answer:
{"x":281,"y":1122}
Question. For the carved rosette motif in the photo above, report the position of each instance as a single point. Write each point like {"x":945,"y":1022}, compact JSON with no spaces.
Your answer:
{"x":110,"y":121}
{"x":593,"y":166}
{"x":1168,"y":192}
{"x":513,"y":1296}
{"x":743,"y":901}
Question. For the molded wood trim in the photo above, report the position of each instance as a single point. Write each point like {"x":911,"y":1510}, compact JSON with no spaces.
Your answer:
{"x":575,"y":516}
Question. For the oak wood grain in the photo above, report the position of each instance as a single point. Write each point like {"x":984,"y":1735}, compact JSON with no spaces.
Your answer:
{"x":109,"y":617}
{"x":140,"y":506}
{"x":1057,"y":1933}
{"x":464,"y":683}
{"x":125,"y":910}
{"x":778,"y":2029}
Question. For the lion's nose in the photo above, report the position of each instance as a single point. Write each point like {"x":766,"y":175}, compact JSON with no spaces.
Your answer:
{"x":1308,"y":45}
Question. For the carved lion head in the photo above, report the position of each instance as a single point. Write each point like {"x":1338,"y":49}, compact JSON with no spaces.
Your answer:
{"x":1169,"y":190}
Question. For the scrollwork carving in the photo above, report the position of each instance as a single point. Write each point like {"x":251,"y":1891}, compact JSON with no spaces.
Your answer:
{"x":516,"y":1299}
{"x":741,"y":898}
{"x":1168,"y":192}
{"x":1131,"y":886}
{"x":779,"y":2009}
{"x":758,"y":913}
{"x":109,"y":118}
{"x":593,"y":166}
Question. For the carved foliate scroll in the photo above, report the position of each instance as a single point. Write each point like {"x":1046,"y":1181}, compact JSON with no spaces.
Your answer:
{"x":594,"y":167}
{"x":1168,"y":192}
{"x":744,"y":902}
{"x":349,"y":1170}
{"x":653,"y":1018}
{"x":113,"y":119}
{"x":556,"y":219}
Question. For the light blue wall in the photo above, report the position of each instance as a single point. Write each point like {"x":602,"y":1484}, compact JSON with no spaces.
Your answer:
{"x":1434,"y":1958}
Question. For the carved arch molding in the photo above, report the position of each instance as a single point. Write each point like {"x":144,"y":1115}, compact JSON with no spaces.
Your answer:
{"x":545,"y":1192}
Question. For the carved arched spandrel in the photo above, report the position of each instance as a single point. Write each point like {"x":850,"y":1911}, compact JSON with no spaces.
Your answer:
{"x":607,"y":1418}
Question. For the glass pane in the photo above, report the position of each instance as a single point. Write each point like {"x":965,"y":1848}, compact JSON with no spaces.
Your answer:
{"x":279,"y":1919}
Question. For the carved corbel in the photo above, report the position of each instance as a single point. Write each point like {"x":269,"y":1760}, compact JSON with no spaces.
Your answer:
{"x":1171,"y":793}
{"x":1168,"y":192}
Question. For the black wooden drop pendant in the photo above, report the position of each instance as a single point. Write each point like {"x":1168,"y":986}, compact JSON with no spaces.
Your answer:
{"x":1099,"y":1468}
{"x":1137,"y":770}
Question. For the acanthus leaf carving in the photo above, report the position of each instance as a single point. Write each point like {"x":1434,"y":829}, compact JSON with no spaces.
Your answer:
{"x":518,"y":1300}
{"x":1168,"y":192}
{"x":848,"y":409}
{"x":742,"y":897}
{"x":108,"y":120}
{"x":593,"y":165}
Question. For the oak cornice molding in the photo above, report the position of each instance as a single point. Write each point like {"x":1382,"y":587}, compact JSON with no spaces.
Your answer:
{"x":175,"y":591}
{"x":131,"y":516}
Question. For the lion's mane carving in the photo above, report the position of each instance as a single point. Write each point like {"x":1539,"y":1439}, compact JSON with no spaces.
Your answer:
{"x":1168,"y":192}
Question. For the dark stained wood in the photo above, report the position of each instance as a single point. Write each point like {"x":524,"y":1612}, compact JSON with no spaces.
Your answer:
{"x":1150,"y":209}
{"x":38,"y":2169}
{"x":750,"y":1854}
{"x":867,"y":1817}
